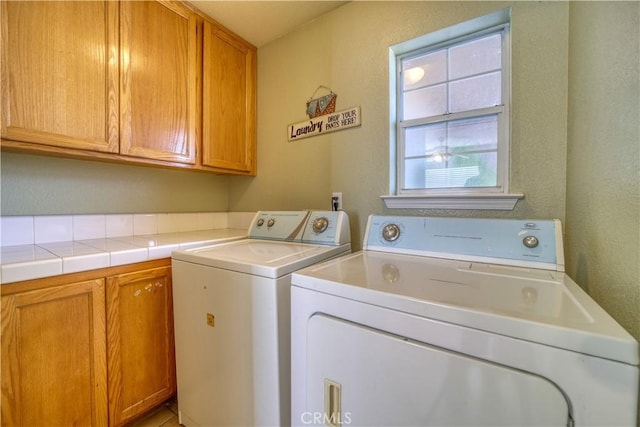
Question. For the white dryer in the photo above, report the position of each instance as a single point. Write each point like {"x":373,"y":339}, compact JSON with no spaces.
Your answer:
{"x":459,"y":322}
{"x":232,"y":312}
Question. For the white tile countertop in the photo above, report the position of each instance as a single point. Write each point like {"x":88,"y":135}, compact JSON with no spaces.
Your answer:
{"x":41,"y":246}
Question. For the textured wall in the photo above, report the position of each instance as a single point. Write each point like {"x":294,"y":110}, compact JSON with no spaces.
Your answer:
{"x":35,"y":185}
{"x":348,"y":50}
{"x":603,"y":175}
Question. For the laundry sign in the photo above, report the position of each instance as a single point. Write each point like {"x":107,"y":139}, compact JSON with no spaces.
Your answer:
{"x":327,"y":123}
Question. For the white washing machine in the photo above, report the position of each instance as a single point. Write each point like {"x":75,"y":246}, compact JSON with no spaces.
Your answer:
{"x":232,"y":312}
{"x":456,"y":322}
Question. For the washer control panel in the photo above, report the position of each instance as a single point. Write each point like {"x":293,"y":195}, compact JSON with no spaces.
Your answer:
{"x":324,"y":227}
{"x":279,"y":225}
{"x":533,"y":243}
{"x":327,"y":227}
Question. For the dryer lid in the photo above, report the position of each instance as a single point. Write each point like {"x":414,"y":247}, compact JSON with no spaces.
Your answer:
{"x":542,"y":306}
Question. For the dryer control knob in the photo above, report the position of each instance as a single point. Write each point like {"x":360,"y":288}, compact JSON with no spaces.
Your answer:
{"x":390,"y":232}
{"x":271,"y":222}
{"x":530,"y":241}
{"x":260,"y":222}
{"x":320,"y":224}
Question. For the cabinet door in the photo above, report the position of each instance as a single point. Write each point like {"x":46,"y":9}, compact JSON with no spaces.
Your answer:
{"x":229,"y":102}
{"x":158,"y":81}
{"x":60,"y":73}
{"x":140,"y":345}
{"x":53,"y":356}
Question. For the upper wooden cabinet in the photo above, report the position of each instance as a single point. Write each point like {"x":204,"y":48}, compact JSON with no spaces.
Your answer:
{"x":60,"y":74}
{"x":158,"y":81}
{"x":229,"y":105}
{"x":152,"y":82}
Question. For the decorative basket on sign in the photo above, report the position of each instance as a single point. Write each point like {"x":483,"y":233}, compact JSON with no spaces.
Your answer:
{"x":320,"y":106}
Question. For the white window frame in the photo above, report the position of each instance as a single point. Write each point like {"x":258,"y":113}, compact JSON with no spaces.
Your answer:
{"x":497,"y":197}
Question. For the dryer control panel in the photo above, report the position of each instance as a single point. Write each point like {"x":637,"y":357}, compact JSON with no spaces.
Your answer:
{"x":526,"y":243}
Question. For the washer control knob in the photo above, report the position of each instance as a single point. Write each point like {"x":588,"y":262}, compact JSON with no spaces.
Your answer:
{"x":320,"y":224}
{"x":390,"y":232}
{"x":530,"y":241}
{"x":260,"y":222}
{"x":271,"y":222}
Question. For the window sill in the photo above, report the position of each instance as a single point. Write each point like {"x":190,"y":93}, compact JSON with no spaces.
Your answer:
{"x":503,"y":202}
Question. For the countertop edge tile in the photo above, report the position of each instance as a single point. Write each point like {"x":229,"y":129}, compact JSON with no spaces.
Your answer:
{"x":129,"y":256}
{"x":17,"y":272}
{"x":74,"y":264}
{"x":96,"y":257}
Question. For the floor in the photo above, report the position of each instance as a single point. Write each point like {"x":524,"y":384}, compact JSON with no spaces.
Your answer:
{"x":165,"y":416}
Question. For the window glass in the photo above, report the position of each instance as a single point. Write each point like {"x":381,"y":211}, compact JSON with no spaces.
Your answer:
{"x":425,"y":70}
{"x":475,"y":92}
{"x":475,"y":57}
{"x":425,"y":102}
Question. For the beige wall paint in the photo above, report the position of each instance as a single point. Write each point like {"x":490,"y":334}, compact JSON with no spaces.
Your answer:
{"x":603,"y":180}
{"x":35,"y":185}
{"x":347,"y":50}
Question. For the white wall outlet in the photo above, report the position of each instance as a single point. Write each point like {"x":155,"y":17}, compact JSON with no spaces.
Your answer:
{"x":336,"y":201}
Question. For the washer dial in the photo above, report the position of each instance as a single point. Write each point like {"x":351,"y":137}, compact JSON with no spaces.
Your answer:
{"x":271,"y":222}
{"x":320,"y":224}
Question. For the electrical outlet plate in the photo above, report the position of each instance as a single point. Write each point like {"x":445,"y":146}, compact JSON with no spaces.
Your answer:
{"x":336,"y":201}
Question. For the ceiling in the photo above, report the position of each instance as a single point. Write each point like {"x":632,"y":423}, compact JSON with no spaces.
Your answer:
{"x":260,"y":22}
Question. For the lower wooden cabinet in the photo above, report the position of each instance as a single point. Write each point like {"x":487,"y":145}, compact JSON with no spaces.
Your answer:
{"x":87,"y":349}
{"x":141,"y":358}
{"x":54,"y":369}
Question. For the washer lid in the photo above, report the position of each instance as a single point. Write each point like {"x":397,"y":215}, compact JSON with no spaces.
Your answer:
{"x":542,"y":306}
{"x":265,"y":258}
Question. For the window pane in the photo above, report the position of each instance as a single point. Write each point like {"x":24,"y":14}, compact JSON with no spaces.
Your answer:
{"x":425,"y":70}
{"x":423,"y":140}
{"x":475,"y":57}
{"x":414,"y":174}
{"x":476,"y":92}
{"x":427,"y":102}
{"x":480,"y":133}
{"x":471,"y":170}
